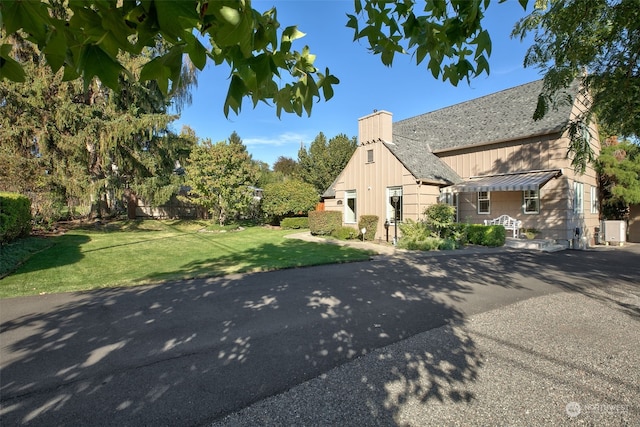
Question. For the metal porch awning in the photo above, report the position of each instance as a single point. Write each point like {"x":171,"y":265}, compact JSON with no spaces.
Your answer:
{"x":518,"y":181}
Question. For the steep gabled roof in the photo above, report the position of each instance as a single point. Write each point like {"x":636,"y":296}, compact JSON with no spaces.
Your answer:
{"x":423,"y":164}
{"x":504,"y":115}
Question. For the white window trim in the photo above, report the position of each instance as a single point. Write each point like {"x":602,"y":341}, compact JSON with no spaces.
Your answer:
{"x":350,"y":194}
{"x":391,"y":217}
{"x":594,"y":200}
{"x":578,"y":198}
{"x":488,"y":199}
{"x":524,"y":202}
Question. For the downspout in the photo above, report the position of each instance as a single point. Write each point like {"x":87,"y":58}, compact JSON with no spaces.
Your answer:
{"x":419,"y":185}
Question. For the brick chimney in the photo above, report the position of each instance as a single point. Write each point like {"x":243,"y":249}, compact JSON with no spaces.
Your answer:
{"x":374,"y":127}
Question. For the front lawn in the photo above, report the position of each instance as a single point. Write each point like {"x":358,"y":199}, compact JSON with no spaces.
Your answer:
{"x":142,"y":252}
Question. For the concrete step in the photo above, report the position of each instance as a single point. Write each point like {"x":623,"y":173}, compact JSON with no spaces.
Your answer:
{"x":534,"y":245}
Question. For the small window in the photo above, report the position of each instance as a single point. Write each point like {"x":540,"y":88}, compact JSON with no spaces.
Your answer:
{"x":594,"y":200}
{"x":350,"y":215}
{"x":369,"y":156}
{"x":578,"y":198}
{"x":484,"y":202}
{"x":531,"y":201}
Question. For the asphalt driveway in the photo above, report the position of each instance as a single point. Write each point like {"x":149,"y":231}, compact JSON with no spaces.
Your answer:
{"x":191,"y":353}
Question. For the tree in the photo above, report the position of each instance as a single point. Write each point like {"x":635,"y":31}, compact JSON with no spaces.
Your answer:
{"x":286,"y":166}
{"x":66,"y":143}
{"x":87,"y":43}
{"x":571,"y":36}
{"x":325,"y":160}
{"x":598,"y":43}
{"x":618,"y":169}
{"x":219,"y":176}
{"x":290,"y":198}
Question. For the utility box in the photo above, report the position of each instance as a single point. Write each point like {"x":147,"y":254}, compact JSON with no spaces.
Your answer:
{"x":614,"y":231}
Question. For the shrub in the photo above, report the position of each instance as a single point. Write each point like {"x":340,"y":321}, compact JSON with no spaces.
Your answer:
{"x":295,"y":223}
{"x":322,"y":223}
{"x":429,"y":243}
{"x":417,"y":236}
{"x":440,"y":218}
{"x":345,"y":233}
{"x":486,"y":235}
{"x":288,"y":198}
{"x":15,"y":217}
{"x":370,"y":222}
{"x":495,"y":235}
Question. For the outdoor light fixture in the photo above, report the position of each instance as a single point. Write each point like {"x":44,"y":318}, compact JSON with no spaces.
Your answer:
{"x":395,"y":199}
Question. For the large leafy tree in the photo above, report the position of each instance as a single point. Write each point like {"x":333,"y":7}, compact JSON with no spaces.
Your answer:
{"x":598,"y":43}
{"x":219,"y":177}
{"x":601,"y":37}
{"x":87,"y":44}
{"x":618,"y":169}
{"x":324,"y":160}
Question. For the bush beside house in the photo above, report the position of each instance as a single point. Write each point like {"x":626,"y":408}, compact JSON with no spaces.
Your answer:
{"x":323,"y":223}
{"x":15,"y":217}
{"x":370,"y":222}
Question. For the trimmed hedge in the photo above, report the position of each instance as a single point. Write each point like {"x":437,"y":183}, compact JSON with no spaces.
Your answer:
{"x":370,"y":222}
{"x":15,"y":217}
{"x":295,"y":223}
{"x":486,"y":235}
{"x":323,"y":223}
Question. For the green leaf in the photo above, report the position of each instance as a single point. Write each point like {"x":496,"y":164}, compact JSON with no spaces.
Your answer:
{"x":96,"y":62}
{"x":236,"y":91}
{"x":288,"y":36}
{"x":31,"y":16}
{"x":9,"y":68}
{"x":175,"y":17}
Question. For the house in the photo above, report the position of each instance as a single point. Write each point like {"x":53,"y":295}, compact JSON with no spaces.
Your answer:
{"x":487,"y":157}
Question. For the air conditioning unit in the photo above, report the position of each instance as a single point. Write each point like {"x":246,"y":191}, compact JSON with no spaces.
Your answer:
{"x":614,"y":231}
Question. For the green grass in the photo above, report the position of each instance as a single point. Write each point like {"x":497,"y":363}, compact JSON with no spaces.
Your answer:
{"x":133,"y":253}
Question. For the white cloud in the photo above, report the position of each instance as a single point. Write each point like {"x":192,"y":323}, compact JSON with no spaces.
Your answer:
{"x":287,"y":138}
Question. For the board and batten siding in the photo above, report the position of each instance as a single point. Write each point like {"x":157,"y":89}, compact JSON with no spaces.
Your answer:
{"x":370,"y":181}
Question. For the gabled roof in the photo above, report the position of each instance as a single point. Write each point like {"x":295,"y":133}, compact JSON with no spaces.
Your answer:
{"x":504,"y":115}
{"x":424,"y":165}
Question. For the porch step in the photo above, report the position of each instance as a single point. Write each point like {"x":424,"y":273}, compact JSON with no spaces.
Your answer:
{"x":534,"y":244}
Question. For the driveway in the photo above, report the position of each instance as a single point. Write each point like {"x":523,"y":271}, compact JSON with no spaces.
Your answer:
{"x":191,"y":353}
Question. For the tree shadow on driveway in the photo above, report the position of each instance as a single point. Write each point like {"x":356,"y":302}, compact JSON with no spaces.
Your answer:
{"x":190,"y":352}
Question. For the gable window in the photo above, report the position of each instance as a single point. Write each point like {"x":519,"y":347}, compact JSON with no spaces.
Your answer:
{"x":594,"y":199}
{"x":484,"y":202}
{"x":394,"y":204}
{"x":578,"y":198}
{"x":369,"y":156}
{"x":350,"y":215}
{"x":531,"y":201}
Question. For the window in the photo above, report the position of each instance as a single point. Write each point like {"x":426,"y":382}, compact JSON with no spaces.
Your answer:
{"x":394,"y":204}
{"x":578,"y":198}
{"x":531,"y":201}
{"x":484,"y":202}
{"x":594,"y":199}
{"x":369,"y":156}
{"x":350,"y":215}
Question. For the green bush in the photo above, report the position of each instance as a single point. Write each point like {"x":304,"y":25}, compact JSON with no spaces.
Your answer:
{"x":288,"y":198}
{"x":295,"y":223}
{"x":370,"y":222}
{"x":15,"y":217}
{"x":322,"y":223}
{"x":417,"y":236}
{"x":440,"y":218}
{"x":429,"y":243}
{"x":496,"y":235}
{"x":486,"y":235}
{"x":345,"y":233}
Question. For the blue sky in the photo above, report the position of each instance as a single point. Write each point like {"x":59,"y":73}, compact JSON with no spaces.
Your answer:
{"x":405,"y":89}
